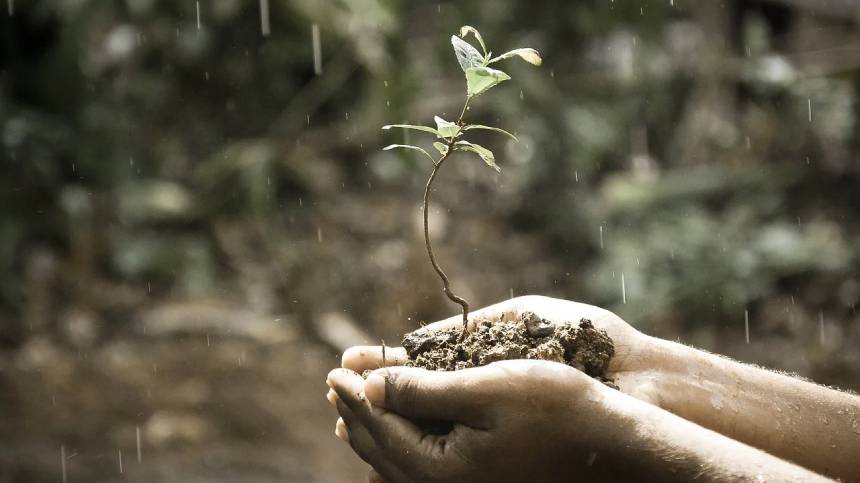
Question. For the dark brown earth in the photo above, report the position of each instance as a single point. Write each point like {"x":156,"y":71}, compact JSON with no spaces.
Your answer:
{"x":581,"y":345}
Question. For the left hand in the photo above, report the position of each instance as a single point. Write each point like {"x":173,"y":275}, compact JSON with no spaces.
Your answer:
{"x":512,"y":421}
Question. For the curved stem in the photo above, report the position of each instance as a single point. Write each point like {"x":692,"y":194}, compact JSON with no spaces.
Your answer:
{"x":446,"y":283}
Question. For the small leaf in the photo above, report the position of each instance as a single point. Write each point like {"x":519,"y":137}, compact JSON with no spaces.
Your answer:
{"x":481,"y":79}
{"x":446,"y":129}
{"x":467,"y":56}
{"x":442,"y":148}
{"x":529,"y":55}
{"x":467,"y":29}
{"x":413,"y":127}
{"x":409,"y":146}
{"x":490,"y":128}
{"x":485,"y":154}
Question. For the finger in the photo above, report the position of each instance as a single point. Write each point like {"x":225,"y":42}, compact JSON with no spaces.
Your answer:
{"x":460,"y":396}
{"x":363,"y":358}
{"x":392,"y":444}
{"x":349,"y":388}
{"x":340,"y":430}
{"x":365,"y":445}
{"x":331,"y":396}
{"x":373,"y":477}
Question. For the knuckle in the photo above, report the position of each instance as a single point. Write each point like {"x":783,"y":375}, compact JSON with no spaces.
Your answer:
{"x":405,"y":391}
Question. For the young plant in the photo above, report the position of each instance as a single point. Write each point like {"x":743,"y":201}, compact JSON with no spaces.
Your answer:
{"x":480,"y":78}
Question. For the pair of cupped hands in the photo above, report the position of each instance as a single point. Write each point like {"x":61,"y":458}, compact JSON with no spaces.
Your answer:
{"x":521,"y":420}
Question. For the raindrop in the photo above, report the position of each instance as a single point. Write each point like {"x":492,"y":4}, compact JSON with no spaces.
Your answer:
{"x":522,"y":96}
{"x":749,"y":143}
{"x":512,"y":292}
{"x":623,"y":290}
{"x":601,"y":237}
{"x":264,"y":18}
{"x":197,"y":3}
{"x":747,"y":325}
{"x":63,"y":462}
{"x":119,"y":455}
{"x":315,"y":37}
{"x":809,"y":106}
{"x":11,"y":7}
{"x":319,"y":234}
{"x":821,"y":326}
{"x":576,"y":175}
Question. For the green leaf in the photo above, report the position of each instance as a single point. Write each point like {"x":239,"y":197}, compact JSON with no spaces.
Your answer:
{"x":490,"y":128}
{"x":409,"y":146}
{"x":485,"y":154}
{"x":413,"y":127}
{"x":467,"y":56}
{"x":481,"y":79}
{"x":529,"y":55}
{"x":442,"y":148}
{"x":467,"y":29}
{"x":446,"y":129}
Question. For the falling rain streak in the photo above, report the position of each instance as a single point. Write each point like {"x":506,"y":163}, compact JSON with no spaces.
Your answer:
{"x":264,"y":18}
{"x":11,"y":7}
{"x":137,"y":436}
{"x":623,"y":290}
{"x":119,"y":455}
{"x":63,"y":462}
{"x":747,"y":325}
{"x":198,"y":14}
{"x":821,"y":327}
{"x":315,"y":37}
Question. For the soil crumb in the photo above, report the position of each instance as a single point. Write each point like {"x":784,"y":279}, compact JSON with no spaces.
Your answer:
{"x":581,"y":346}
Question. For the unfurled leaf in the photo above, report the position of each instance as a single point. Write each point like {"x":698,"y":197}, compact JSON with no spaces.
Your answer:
{"x":467,"y":56}
{"x":481,"y":79}
{"x":529,"y":55}
{"x":442,"y":148}
{"x":489,"y":128}
{"x":413,"y":127}
{"x":446,"y":129}
{"x":485,"y":154}
{"x":409,"y":146}
{"x":467,"y":29}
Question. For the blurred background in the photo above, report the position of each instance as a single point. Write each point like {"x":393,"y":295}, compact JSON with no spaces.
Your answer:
{"x":196,"y":216}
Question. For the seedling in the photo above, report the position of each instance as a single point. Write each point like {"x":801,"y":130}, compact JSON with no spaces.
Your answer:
{"x":480,"y":78}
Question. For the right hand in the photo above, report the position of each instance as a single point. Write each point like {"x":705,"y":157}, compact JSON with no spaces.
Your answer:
{"x":632,"y":367}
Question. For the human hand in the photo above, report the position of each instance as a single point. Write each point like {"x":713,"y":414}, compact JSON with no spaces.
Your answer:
{"x":519,"y":420}
{"x":631,"y":367}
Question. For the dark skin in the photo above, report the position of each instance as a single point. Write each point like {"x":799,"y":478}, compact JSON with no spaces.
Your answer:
{"x":542,"y":421}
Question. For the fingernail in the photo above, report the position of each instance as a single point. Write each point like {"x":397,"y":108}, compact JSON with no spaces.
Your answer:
{"x":374,"y":389}
{"x":340,"y":430}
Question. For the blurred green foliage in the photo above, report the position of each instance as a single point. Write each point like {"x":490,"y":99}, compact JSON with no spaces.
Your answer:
{"x":707,"y":152}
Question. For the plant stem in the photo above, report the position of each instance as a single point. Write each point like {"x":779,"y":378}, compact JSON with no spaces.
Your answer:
{"x":446,"y":283}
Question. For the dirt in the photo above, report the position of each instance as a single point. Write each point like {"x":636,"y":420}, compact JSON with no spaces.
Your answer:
{"x":581,"y":346}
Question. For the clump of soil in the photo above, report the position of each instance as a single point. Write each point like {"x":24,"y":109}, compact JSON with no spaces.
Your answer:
{"x":581,"y":346}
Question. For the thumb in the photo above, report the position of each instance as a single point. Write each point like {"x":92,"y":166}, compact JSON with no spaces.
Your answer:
{"x":459,"y":396}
